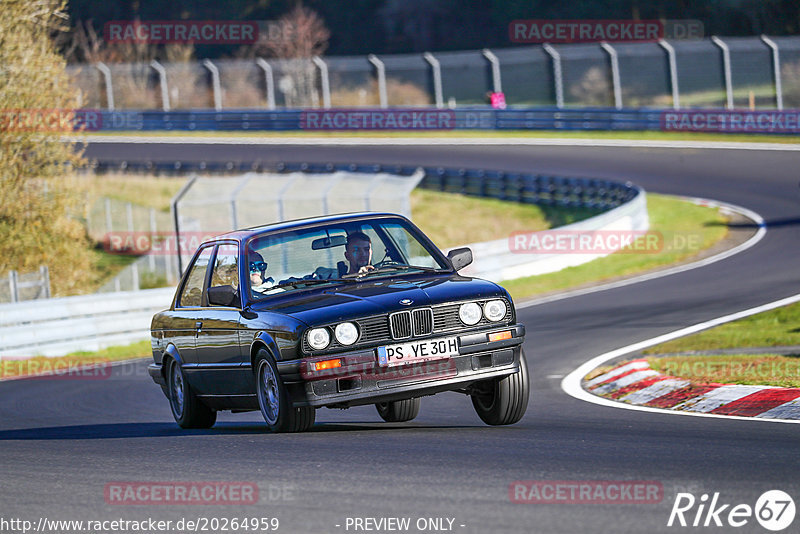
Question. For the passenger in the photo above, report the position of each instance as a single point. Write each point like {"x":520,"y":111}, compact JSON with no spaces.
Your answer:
{"x":259,"y":282}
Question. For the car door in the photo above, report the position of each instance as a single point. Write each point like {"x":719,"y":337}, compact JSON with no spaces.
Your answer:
{"x":183,"y":321}
{"x":219,"y":353}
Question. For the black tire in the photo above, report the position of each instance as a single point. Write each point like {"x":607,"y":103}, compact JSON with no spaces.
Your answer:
{"x":504,"y":401}
{"x":274,"y":400}
{"x":398,"y":411}
{"x":187,"y":409}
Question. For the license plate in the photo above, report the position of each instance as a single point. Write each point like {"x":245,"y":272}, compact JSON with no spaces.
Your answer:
{"x":417,"y":351}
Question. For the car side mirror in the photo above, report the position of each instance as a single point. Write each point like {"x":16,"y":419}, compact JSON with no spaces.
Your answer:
{"x":460,"y":257}
{"x":223,"y":296}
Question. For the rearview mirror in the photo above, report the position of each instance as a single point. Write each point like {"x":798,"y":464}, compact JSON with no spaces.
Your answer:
{"x":223,"y":296}
{"x":328,"y":242}
{"x":460,"y":257}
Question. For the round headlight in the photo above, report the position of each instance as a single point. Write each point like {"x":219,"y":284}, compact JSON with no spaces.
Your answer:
{"x":346,"y":333}
{"x":494,"y":310}
{"x":318,"y":338}
{"x":469,"y":313}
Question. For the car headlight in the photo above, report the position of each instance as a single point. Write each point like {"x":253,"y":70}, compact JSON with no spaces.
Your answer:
{"x":469,"y":313}
{"x":318,"y":338}
{"x":494,"y":310}
{"x":346,"y":333}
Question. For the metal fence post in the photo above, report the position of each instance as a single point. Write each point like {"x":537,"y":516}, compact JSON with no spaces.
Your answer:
{"x":215,"y":85}
{"x":153,"y":232}
{"x":437,"y":78}
{"x":326,"y":86}
{"x":381,"y":70}
{"x":175,"y":218}
{"x":497,"y":86}
{"x":776,"y":70}
{"x":109,"y":221}
{"x":13,"y":286}
{"x":162,"y":82}
{"x":726,"y":69}
{"x":103,"y":68}
{"x":129,"y":217}
{"x":673,"y":73}
{"x":269,"y":81}
{"x":44,"y":274}
{"x":558,"y":79}
{"x":612,"y":55}
{"x":135,"y":276}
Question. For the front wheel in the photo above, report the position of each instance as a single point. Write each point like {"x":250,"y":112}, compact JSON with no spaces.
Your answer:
{"x":187,"y":409}
{"x":503,"y":401}
{"x":276,"y":405}
{"x":398,"y":411}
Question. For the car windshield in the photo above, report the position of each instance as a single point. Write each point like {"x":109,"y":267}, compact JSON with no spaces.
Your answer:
{"x":345,"y":252}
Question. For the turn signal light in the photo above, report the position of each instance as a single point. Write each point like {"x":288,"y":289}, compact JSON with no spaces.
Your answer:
{"x":498,"y":336}
{"x":325,"y":364}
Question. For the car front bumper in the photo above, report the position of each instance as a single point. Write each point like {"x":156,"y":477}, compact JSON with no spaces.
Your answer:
{"x":478,"y":359}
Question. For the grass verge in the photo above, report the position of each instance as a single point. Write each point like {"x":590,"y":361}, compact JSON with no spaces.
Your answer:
{"x":69,"y":366}
{"x":687,"y":228}
{"x":774,"y":328}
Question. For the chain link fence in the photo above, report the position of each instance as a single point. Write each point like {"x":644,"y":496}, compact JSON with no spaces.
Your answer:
{"x":741,"y":72}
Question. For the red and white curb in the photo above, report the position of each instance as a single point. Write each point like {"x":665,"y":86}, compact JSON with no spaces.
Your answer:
{"x":636,"y":383}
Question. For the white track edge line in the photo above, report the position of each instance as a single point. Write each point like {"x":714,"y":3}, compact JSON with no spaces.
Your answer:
{"x":758,"y":236}
{"x":571,"y":384}
{"x":440,"y":141}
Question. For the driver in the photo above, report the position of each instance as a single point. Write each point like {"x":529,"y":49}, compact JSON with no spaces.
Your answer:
{"x":358,"y":253}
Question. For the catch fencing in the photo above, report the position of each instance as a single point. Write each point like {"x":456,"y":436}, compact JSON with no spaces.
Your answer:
{"x":732,"y":72}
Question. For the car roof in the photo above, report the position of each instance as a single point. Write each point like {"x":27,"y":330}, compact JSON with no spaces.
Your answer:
{"x":246,"y":233}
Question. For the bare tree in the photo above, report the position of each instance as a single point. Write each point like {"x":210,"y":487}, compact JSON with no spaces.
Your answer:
{"x":300,"y":35}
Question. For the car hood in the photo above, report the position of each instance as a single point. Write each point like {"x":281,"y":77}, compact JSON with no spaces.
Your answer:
{"x":382,"y":295}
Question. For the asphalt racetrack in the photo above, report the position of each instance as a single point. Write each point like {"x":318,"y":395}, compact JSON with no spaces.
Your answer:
{"x":63,"y":441}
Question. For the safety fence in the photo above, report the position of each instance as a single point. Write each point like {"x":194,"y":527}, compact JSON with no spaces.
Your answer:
{"x":732,"y":72}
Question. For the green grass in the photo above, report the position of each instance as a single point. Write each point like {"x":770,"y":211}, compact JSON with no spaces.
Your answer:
{"x":536,"y":134}
{"x":754,"y":369}
{"x":106,"y":266}
{"x":779,"y":327}
{"x":687,"y":229}
{"x":489,"y":219}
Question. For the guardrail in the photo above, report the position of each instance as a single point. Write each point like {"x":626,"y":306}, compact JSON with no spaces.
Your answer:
{"x":479,"y":118}
{"x":58,"y":326}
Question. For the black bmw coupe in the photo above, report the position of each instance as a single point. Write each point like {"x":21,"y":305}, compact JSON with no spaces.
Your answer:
{"x":334,"y":312}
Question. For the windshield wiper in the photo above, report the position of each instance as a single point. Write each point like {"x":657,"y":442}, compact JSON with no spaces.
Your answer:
{"x":308,"y":282}
{"x":393,"y":268}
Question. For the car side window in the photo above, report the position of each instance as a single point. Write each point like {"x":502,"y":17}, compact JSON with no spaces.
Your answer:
{"x":225,"y":271}
{"x":192,"y":294}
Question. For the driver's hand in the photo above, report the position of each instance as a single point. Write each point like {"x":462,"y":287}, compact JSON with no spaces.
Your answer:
{"x":366,"y":269}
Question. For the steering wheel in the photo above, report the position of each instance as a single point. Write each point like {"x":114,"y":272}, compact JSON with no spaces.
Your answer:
{"x":388,"y":263}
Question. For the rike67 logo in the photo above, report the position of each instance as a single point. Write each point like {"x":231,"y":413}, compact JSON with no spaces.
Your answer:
{"x":774,"y":510}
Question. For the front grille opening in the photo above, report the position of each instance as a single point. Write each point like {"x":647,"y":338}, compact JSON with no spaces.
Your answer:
{"x":423,"y":322}
{"x":400,"y":325}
